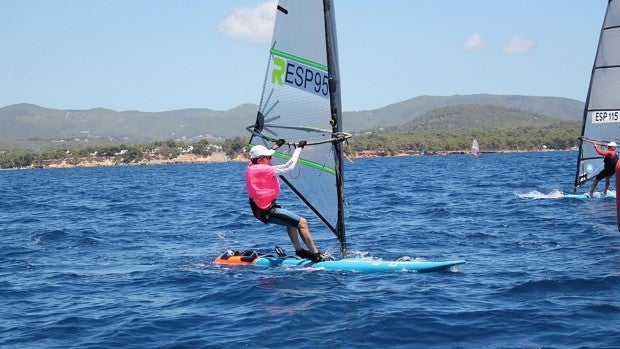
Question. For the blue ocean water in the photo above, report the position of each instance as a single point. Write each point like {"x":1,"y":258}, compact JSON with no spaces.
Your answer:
{"x":120,"y":257}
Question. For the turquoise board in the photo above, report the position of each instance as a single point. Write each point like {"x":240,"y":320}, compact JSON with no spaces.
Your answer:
{"x":357,"y":264}
{"x":597,"y":195}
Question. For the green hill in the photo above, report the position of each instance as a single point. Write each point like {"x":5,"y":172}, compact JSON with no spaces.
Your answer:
{"x":27,"y":126}
{"x":402,"y":112}
{"x":453,"y":129}
{"x":467,"y":117}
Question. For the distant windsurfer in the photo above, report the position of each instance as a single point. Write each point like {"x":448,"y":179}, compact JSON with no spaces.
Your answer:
{"x":611,"y":157}
{"x":263,"y":186}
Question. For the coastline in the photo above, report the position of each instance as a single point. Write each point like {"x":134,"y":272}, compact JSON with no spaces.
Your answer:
{"x":220,"y":157}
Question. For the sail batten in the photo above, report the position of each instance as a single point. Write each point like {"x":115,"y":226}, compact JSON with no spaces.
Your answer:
{"x":301,"y":101}
{"x":601,"y":116}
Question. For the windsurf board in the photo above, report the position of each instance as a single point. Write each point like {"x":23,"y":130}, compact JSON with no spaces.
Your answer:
{"x":364,"y":265}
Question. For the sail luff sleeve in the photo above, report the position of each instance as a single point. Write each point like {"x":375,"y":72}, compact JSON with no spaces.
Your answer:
{"x":336,"y":114}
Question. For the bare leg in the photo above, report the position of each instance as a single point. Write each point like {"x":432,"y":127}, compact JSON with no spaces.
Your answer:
{"x":594,"y":184}
{"x":304,"y":232}
{"x":607,"y":181}
{"x":292,"y":234}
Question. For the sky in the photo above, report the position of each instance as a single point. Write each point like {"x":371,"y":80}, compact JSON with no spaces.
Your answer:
{"x":160,"y":55}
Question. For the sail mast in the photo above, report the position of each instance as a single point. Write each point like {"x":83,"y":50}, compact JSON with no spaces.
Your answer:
{"x":336,"y":114}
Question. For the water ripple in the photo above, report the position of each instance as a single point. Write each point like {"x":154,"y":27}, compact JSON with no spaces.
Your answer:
{"x":121,"y":257}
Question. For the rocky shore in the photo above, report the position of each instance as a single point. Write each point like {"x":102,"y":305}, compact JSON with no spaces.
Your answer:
{"x":117,"y":161}
{"x":218,"y":157}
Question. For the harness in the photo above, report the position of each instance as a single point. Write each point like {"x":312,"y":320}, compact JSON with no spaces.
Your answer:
{"x":263,"y":215}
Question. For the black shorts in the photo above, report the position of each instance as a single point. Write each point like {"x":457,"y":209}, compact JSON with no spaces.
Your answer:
{"x":606,"y":172}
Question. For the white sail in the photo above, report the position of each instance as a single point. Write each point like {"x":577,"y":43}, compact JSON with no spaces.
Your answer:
{"x":475,"y":148}
{"x":601,"y":117}
{"x":301,"y":101}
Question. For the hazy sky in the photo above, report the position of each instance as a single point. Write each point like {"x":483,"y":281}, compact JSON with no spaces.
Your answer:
{"x":158,"y":55}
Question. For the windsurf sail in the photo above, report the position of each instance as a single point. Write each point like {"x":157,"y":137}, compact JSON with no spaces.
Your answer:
{"x":301,"y":101}
{"x":475,"y":149}
{"x":601,"y":116}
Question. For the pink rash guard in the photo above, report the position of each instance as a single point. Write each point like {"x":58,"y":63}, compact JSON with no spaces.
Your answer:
{"x":262,"y":181}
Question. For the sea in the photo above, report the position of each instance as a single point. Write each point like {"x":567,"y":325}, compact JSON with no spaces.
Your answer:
{"x":121,"y":257}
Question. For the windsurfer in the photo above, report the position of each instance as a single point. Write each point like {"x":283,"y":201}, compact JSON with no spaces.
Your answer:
{"x":263,"y":189}
{"x":611,"y":157}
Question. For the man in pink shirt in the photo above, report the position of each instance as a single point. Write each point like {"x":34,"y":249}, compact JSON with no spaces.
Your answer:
{"x":263,"y":185}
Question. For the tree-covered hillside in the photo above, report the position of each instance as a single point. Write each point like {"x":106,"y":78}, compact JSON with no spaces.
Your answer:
{"x":467,"y":117}
{"x":29,"y":127}
{"x":454,"y":128}
{"x":447,"y":129}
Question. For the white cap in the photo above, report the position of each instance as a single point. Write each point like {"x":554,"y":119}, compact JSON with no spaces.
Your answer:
{"x":612,"y":144}
{"x":260,"y":150}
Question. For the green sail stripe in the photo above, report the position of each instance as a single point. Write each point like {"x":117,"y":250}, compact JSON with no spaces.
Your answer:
{"x":308,"y":163}
{"x":298,"y":59}
{"x":305,"y":162}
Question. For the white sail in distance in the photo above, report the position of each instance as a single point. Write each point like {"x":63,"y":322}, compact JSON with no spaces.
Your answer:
{"x":301,"y":101}
{"x":475,"y":148}
{"x":601,"y":117}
